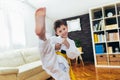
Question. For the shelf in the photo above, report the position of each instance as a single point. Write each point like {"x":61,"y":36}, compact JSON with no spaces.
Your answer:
{"x":97,"y":19}
{"x":118,"y":18}
{"x":110,"y":17}
{"x":98,"y":25}
{"x":114,"y":53}
{"x":98,"y":31}
{"x":118,"y":8}
{"x":112,"y":41}
{"x":97,"y":13}
{"x":105,"y":31}
{"x":110,"y":21}
{"x":110,"y":9}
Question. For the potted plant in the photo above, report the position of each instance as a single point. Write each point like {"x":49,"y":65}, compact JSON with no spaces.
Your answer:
{"x":78,"y":44}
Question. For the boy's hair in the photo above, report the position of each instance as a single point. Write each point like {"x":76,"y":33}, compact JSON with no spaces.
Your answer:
{"x":58,"y":23}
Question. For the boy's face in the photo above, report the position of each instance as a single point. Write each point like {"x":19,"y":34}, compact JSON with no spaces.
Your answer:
{"x":62,"y":31}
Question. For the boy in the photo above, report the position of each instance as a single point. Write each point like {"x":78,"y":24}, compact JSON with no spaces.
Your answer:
{"x":56,"y":50}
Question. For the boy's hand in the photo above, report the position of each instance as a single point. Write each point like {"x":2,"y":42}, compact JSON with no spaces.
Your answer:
{"x":66,"y":43}
{"x":57,"y":46}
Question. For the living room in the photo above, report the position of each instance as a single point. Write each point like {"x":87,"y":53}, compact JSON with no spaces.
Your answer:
{"x":19,"y":53}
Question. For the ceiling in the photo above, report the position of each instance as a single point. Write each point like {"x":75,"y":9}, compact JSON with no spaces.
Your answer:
{"x":59,"y":9}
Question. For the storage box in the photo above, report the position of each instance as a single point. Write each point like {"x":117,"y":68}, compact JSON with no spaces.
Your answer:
{"x":101,"y":59}
{"x":102,"y":63}
{"x":114,"y":57}
{"x":114,"y":63}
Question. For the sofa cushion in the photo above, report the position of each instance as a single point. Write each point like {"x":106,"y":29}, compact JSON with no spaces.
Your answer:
{"x":11,"y":59}
{"x":8,"y":70}
{"x":31,"y":54}
{"x":29,"y":70}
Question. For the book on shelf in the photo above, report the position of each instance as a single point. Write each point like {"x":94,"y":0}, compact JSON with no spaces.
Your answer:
{"x":95,"y":38}
{"x":99,"y":49}
{"x":110,"y":49}
{"x":113,"y":26}
{"x":99,"y":38}
{"x":99,"y":26}
{"x":112,"y":36}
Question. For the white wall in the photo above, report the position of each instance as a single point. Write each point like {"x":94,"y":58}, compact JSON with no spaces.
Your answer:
{"x":59,"y":9}
{"x":28,"y":12}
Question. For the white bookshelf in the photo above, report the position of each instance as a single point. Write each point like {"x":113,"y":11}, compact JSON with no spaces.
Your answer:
{"x":105,"y":31}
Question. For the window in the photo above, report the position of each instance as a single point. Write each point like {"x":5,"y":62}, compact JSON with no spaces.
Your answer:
{"x":12,"y":33}
{"x":17,"y":29}
{"x":4,"y":32}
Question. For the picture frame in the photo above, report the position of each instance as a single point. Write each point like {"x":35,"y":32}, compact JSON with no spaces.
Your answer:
{"x":74,"y":25}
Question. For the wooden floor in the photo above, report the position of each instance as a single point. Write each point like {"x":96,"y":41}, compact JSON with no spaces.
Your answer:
{"x":89,"y":72}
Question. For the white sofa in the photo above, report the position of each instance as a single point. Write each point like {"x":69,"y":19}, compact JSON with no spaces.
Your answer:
{"x":23,"y":64}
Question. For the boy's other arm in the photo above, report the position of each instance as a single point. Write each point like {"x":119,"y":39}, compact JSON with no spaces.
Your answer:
{"x":72,"y":52}
{"x":66,"y":43}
